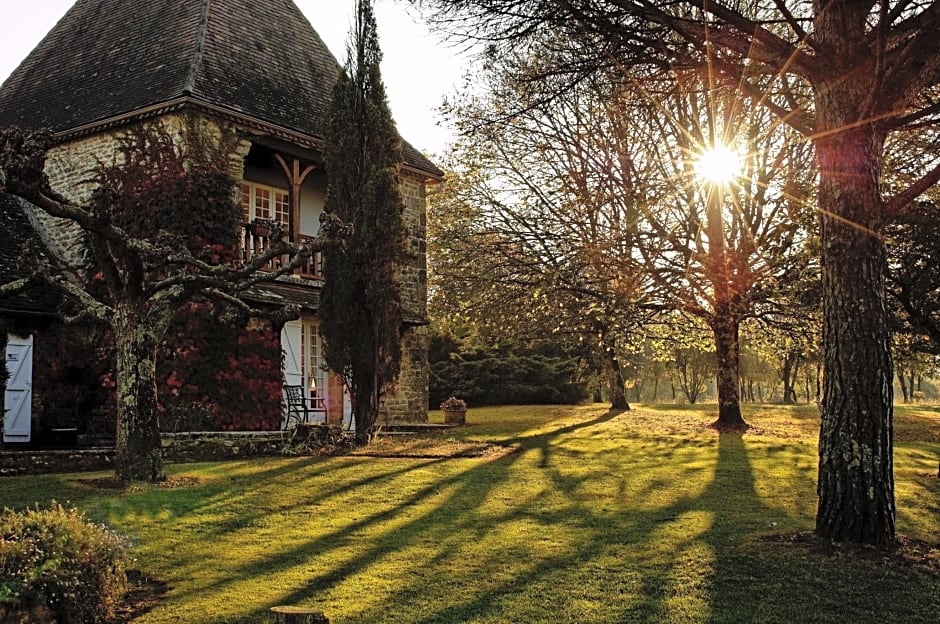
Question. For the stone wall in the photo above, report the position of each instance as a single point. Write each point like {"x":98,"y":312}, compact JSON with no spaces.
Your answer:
{"x":413,"y":274}
{"x":71,"y":169}
{"x":408,"y":402}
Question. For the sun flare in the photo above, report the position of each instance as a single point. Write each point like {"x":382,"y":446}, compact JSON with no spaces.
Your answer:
{"x":718,"y":165}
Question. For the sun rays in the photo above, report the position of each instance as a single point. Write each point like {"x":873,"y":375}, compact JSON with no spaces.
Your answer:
{"x":718,"y":164}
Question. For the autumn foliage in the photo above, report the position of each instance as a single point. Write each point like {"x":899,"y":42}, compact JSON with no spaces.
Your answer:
{"x":216,"y":376}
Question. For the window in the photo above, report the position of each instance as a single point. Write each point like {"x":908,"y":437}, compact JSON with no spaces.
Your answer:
{"x":311,"y":356}
{"x":260,"y":201}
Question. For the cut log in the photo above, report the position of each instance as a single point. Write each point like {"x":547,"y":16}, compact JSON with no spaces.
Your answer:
{"x":297,"y":615}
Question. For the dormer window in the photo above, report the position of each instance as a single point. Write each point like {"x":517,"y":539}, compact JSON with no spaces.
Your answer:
{"x":260,"y":201}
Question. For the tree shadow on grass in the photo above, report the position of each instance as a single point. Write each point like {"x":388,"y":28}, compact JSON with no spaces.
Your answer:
{"x":731,"y":491}
{"x":625,"y":543}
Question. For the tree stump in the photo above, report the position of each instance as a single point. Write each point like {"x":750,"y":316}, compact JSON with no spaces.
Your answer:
{"x":297,"y":615}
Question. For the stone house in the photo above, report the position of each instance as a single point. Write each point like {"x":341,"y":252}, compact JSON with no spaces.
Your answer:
{"x":257,"y":67}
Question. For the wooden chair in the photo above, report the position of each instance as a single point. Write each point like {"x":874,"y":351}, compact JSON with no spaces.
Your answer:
{"x":300,"y":409}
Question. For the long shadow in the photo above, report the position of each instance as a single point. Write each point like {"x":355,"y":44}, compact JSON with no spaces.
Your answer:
{"x":577,"y":514}
{"x":548,"y":484}
{"x":697,"y":547}
{"x":468,"y":489}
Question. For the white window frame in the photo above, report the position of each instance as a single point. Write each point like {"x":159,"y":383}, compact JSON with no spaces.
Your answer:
{"x":313,"y":364}
{"x":261,"y":201}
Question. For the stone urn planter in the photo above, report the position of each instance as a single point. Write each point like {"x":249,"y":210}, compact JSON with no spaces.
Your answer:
{"x":455,"y":417}
{"x":455,"y":411}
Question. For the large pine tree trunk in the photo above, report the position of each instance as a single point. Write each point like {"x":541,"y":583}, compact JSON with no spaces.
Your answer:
{"x":856,"y":478}
{"x":138,"y":456}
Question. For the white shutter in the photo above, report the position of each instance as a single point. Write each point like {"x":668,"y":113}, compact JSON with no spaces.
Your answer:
{"x":290,"y":344}
{"x":17,"y":404}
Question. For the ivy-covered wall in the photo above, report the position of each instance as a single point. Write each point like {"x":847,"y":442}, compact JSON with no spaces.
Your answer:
{"x":218,"y":375}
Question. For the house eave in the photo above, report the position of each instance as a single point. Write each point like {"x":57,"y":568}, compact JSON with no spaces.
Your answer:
{"x":220,"y":112}
{"x":21,"y":313}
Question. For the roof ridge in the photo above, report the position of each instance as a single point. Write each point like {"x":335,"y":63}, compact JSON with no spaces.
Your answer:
{"x":196,"y":61}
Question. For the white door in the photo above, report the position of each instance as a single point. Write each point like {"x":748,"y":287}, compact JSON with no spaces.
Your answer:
{"x":17,"y":404}
{"x":290,"y":346}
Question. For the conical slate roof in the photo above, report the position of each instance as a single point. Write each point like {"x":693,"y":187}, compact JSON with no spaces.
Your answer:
{"x":114,"y":59}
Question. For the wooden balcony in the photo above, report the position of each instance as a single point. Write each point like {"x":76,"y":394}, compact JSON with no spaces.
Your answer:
{"x":255,"y":240}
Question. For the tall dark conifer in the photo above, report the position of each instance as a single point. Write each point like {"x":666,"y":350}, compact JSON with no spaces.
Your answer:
{"x":360,"y":307}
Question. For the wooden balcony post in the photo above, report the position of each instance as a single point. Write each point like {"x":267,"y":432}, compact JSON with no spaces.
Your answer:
{"x":295,"y":177}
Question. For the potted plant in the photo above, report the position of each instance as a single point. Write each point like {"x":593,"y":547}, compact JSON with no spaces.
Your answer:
{"x":455,"y":411}
{"x":261,"y":227}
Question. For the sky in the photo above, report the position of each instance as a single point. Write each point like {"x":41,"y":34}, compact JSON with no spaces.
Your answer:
{"x":417,"y":67}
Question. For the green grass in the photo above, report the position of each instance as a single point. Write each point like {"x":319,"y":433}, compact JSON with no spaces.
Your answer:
{"x":642,"y":516}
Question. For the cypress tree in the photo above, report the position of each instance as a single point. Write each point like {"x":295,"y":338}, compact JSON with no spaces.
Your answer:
{"x":360,"y":305}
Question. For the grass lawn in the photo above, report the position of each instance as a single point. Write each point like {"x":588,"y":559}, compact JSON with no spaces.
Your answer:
{"x":640,"y":516}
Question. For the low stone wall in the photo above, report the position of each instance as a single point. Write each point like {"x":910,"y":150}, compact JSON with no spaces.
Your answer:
{"x":177,"y":448}
{"x":13,"y":463}
{"x":219,"y":445}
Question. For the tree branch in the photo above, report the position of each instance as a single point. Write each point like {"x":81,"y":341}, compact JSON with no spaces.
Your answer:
{"x":899,"y":203}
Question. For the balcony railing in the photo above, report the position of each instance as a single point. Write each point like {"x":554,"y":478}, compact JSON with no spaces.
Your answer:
{"x":256,"y":240}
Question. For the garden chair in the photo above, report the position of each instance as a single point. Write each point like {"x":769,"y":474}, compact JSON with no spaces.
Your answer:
{"x":301,"y":409}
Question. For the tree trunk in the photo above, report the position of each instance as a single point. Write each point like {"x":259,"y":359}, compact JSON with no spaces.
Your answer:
{"x":725,"y":327}
{"x":724,"y":322}
{"x":791,"y":366}
{"x":138,"y":455}
{"x":365,"y":414}
{"x":904,"y":396}
{"x":618,"y":397}
{"x":819,"y":376}
{"x":856,"y":476}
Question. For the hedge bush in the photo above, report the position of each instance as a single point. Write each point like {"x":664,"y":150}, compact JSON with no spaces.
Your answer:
{"x":54,"y":559}
{"x":507,"y":380}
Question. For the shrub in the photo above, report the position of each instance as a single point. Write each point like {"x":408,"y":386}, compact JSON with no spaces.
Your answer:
{"x":507,"y":380}
{"x":53,"y":558}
